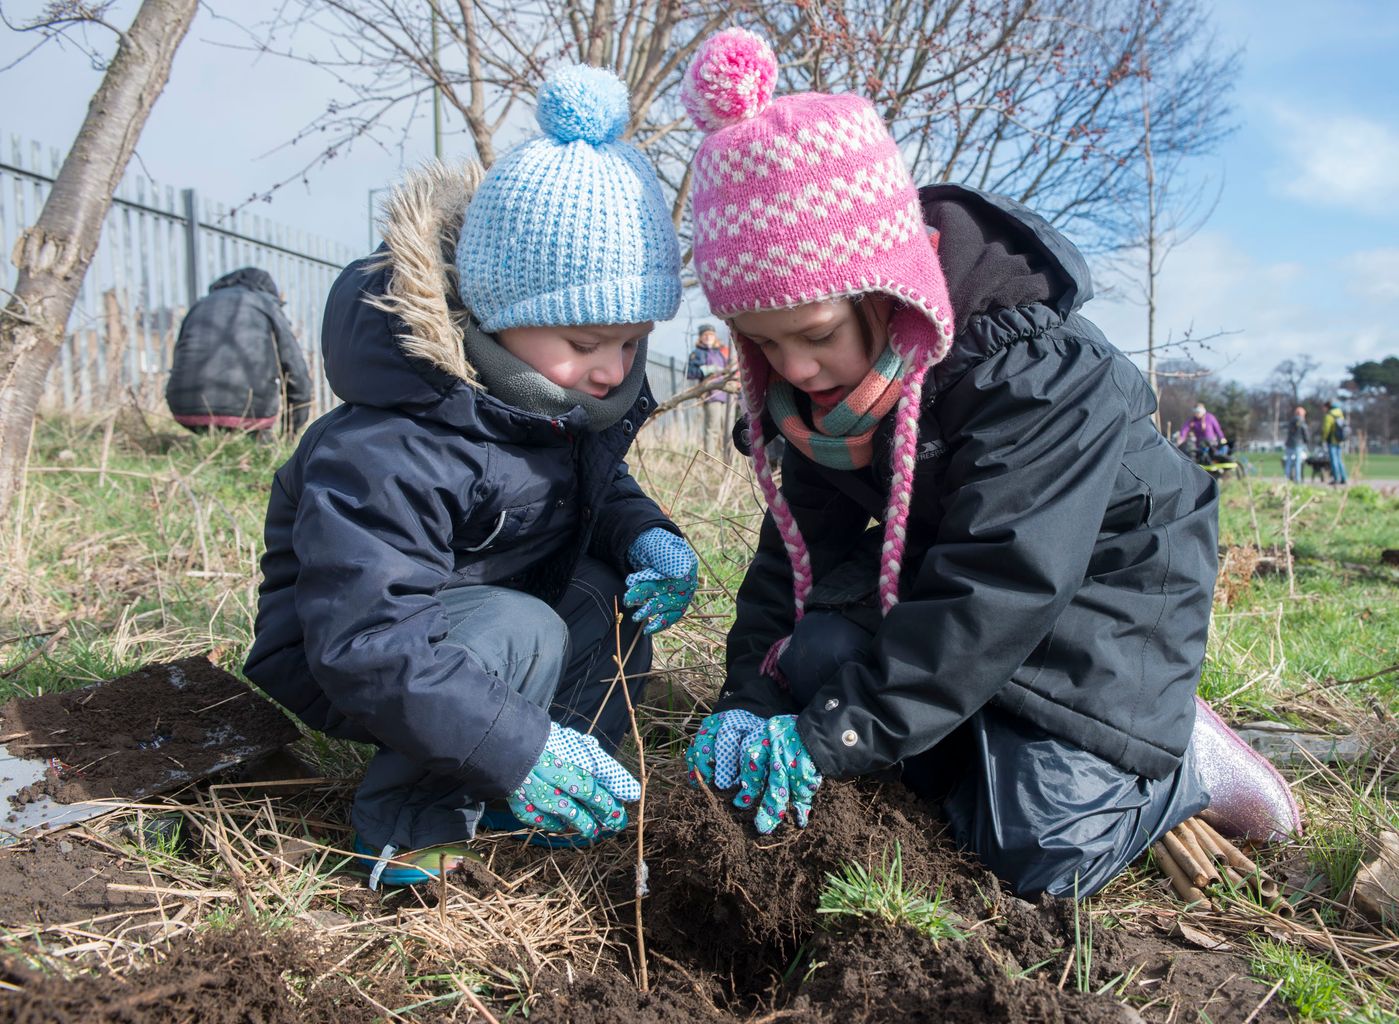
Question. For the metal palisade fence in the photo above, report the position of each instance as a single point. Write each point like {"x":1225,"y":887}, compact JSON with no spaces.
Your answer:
{"x":160,"y":250}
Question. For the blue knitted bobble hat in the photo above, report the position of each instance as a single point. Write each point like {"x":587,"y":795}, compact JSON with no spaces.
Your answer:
{"x":571,"y":227}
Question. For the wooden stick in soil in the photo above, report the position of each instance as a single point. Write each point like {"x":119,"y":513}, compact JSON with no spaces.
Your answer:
{"x":43,"y":652}
{"x":1179,"y":882}
{"x":442,"y":891}
{"x":478,"y":1006}
{"x":643,"y":980}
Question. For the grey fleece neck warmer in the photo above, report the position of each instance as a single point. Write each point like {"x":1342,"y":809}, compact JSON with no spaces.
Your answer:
{"x":517,"y":383}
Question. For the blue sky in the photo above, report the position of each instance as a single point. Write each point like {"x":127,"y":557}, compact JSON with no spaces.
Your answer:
{"x":1301,"y":255}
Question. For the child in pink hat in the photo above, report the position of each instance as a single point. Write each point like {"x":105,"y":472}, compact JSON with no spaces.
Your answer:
{"x":983,"y":562}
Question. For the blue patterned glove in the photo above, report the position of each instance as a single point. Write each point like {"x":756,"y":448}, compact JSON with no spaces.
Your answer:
{"x":715,"y":751}
{"x":777,"y":771}
{"x":574,"y":784}
{"x":664,"y":583}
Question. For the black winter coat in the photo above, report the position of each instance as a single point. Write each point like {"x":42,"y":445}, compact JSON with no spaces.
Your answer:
{"x":422,"y":482}
{"x":1061,"y":553}
{"x":236,"y":353}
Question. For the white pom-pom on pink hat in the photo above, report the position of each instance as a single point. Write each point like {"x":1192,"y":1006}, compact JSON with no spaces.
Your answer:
{"x":731,"y":79}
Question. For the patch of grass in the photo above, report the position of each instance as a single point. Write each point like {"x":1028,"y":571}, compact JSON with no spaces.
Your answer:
{"x":881,"y":894}
{"x":1338,"y":618}
{"x":1336,"y":851}
{"x":1318,"y":989}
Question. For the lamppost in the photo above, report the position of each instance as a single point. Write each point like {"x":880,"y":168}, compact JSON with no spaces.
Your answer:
{"x":372,"y":193}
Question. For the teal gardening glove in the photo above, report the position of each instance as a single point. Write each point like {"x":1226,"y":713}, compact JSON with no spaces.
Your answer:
{"x":777,"y":772}
{"x":574,"y":785}
{"x":664,"y":583}
{"x":714,"y":754}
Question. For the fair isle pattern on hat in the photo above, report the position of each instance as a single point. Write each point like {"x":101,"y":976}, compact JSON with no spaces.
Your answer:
{"x":801,"y":199}
{"x":853,"y":129}
{"x":571,"y":227}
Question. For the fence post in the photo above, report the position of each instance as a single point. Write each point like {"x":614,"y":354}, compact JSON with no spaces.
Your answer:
{"x":191,"y":202}
{"x":674,"y":378}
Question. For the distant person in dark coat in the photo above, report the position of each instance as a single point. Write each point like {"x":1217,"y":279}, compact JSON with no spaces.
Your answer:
{"x":1295,"y":450}
{"x":235,"y":357}
{"x":709,"y":360}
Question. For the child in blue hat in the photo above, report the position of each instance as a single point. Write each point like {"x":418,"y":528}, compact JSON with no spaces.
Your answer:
{"x":446,"y":550}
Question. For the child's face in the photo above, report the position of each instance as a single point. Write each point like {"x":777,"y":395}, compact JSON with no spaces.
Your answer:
{"x":823,"y":348}
{"x":593,"y":359}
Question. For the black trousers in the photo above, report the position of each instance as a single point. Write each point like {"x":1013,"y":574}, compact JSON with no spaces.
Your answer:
{"x":562,"y":658}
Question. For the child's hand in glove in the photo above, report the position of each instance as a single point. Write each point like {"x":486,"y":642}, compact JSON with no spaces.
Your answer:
{"x":777,"y":771}
{"x":716,"y":751}
{"x":664,"y":583}
{"x":574,"y":785}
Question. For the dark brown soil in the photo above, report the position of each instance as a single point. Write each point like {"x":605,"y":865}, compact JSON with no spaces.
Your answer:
{"x":222,"y":976}
{"x":61,"y":881}
{"x":733,"y":934}
{"x":145,"y":732}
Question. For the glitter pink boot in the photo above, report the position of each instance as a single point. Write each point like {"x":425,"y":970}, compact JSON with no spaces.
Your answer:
{"x":1248,"y":798}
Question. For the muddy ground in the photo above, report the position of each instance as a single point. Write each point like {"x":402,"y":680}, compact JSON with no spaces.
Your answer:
{"x":220,"y":976}
{"x":142,"y":733}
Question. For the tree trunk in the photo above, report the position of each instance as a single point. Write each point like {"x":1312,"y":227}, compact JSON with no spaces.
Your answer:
{"x":53,"y":254}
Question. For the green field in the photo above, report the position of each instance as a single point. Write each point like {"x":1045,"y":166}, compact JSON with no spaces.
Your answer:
{"x":1367,"y":467}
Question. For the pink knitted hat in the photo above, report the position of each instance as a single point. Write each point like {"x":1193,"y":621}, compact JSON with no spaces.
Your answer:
{"x":805,"y":198}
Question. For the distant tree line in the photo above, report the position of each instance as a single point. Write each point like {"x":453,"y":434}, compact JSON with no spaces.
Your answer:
{"x":1369,"y":394}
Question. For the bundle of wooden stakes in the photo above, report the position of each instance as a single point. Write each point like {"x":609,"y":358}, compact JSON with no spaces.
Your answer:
{"x":1194,"y":856}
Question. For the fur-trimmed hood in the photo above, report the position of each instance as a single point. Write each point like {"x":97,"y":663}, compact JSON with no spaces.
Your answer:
{"x":394,"y":321}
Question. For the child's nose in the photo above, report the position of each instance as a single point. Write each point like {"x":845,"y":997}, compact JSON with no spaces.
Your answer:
{"x":799,"y":368}
{"x":611,"y":370}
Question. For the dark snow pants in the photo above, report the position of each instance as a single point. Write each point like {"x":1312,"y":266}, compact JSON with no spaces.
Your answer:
{"x":1043,"y":814}
{"x":560,"y":658}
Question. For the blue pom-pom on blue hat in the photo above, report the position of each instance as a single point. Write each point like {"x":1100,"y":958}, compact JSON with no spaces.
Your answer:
{"x":571,"y":227}
{"x":583,"y":103}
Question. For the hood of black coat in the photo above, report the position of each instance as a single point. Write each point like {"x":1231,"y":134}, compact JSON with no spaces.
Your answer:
{"x":996,"y":253}
{"x":247,"y":277}
{"x":1009,"y":272}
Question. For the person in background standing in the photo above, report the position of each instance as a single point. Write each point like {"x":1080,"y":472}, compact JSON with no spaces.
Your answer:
{"x":1295,"y":450}
{"x":708,"y":361}
{"x":1334,"y":431}
{"x":235,"y":358}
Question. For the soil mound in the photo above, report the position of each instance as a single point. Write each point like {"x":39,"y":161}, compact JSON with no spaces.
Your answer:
{"x":141,"y":733}
{"x":711,"y":873}
{"x":735,"y":914}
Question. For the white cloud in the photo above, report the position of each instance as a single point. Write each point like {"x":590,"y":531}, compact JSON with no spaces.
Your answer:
{"x":1347,"y":160}
{"x":1279,"y":311}
{"x":1373,"y":275}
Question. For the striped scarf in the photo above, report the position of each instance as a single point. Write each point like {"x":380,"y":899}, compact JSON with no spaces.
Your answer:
{"x":844,"y":434}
